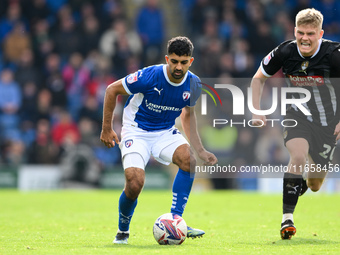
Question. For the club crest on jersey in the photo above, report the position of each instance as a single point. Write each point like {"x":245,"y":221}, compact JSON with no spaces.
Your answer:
{"x":186,"y":95}
{"x":128,"y":143}
{"x":304,"y":66}
{"x":132,"y":78}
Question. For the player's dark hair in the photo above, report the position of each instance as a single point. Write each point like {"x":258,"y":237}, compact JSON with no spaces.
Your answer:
{"x":181,"y":46}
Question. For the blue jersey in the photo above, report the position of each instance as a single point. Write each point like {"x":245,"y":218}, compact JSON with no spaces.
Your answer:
{"x":155,"y":102}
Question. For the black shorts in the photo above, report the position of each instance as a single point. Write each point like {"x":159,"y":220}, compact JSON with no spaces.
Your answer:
{"x":321,"y":140}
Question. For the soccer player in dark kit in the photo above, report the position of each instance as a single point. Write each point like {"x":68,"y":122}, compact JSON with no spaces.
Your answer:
{"x":312,"y":63}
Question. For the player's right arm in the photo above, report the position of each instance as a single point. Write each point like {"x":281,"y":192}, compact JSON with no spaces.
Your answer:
{"x":270,"y":64}
{"x":108,"y":136}
{"x":257,"y":84}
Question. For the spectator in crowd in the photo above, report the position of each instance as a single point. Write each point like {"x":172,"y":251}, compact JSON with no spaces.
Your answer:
{"x":42,"y":42}
{"x":112,"y":10}
{"x":29,"y":109}
{"x":101,"y":78}
{"x":27,"y":71}
{"x":76,"y":77}
{"x":65,"y":131}
{"x":55,"y":82}
{"x":197,"y":16}
{"x":43,"y":150}
{"x":88,"y":130}
{"x":44,"y":105}
{"x":273,"y":8}
{"x":10,"y":102}
{"x":282,"y":27}
{"x":55,"y":5}
{"x":263,"y":35}
{"x":209,"y":60}
{"x":16,"y":43}
{"x":119,"y":44}
{"x":36,"y":10}
{"x":91,"y":111}
{"x":14,"y":152}
{"x":66,"y":32}
{"x":90,"y":35}
{"x":7,"y":23}
{"x":150,"y":27}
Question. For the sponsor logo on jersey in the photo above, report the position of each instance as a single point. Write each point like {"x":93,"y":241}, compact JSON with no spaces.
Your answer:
{"x":267,"y":58}
{"x":128,"y":143}
{"x":300,"y":81}
{"x":158,"y":90}
{"x":186,"y":95}
{"x":160,"y":108}
{"x":132,"y":78}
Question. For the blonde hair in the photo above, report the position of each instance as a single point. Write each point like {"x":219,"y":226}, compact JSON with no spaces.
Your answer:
{"x":309,"y":16}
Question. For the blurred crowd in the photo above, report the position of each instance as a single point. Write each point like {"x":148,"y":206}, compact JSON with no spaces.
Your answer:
{"x":58,"y":56}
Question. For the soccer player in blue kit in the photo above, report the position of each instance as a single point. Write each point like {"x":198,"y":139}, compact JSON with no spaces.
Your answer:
{"x":158,"y":95}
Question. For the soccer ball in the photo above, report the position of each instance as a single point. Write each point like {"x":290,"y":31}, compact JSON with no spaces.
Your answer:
{"x":170,"y":229}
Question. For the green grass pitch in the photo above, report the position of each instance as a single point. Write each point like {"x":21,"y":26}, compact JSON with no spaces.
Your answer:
{"x":85,"y":222}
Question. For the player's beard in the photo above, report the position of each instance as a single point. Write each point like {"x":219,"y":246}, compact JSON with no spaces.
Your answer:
{"x":177,"y":76}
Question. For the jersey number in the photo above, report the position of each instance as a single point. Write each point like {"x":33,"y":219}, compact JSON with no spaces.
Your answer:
{"x":328,"y":149}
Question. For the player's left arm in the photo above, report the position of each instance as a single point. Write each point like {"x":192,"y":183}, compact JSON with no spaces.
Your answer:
{"x":335,"y":72}
{"x":189,"y":124}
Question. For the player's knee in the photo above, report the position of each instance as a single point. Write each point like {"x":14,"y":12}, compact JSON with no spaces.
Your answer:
{"x":187,"y":162}
{"x":299,"y":159}
{"x":133,"y":188}
{"x":315,"y":188}
{"x":314,"y":185}
{"x":133,"y":184}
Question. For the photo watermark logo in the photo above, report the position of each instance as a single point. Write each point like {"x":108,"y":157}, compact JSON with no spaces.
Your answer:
{"x":238,"y":103}
{"x":226,"y":113}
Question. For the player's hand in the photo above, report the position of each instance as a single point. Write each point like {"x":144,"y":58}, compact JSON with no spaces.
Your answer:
{"x":337,"y":131}
{"x":259,"y":120}
{"x":208,"y":158}
{"x":109,"y":138}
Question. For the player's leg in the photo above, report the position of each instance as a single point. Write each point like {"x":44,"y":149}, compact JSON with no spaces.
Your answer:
{"x":315,"y":178}
{"x":298,"y":150}
{"x":134,"y":165}
{"x":185,"y":160}
{"x":179,"y":153}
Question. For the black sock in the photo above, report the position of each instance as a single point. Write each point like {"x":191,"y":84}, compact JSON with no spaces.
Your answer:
{"x":291,"y":191}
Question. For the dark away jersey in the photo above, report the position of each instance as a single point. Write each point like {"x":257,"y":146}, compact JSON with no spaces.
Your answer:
{"x":319,"y":74}
{"x":155,"y":101}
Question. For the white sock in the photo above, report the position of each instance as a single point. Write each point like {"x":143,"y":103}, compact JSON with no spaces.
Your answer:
{"x":124,"y":232}
{"x":287,"y":216}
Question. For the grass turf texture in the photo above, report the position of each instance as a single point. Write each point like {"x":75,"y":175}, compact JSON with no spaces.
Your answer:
{"x":74,"y":222}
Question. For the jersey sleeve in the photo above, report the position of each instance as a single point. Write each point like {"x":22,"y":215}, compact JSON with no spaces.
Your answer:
{"x":137,"y":82}
{"x":335,"y":63}
{"x":196,"y":90}
{"x":273,"y":62}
